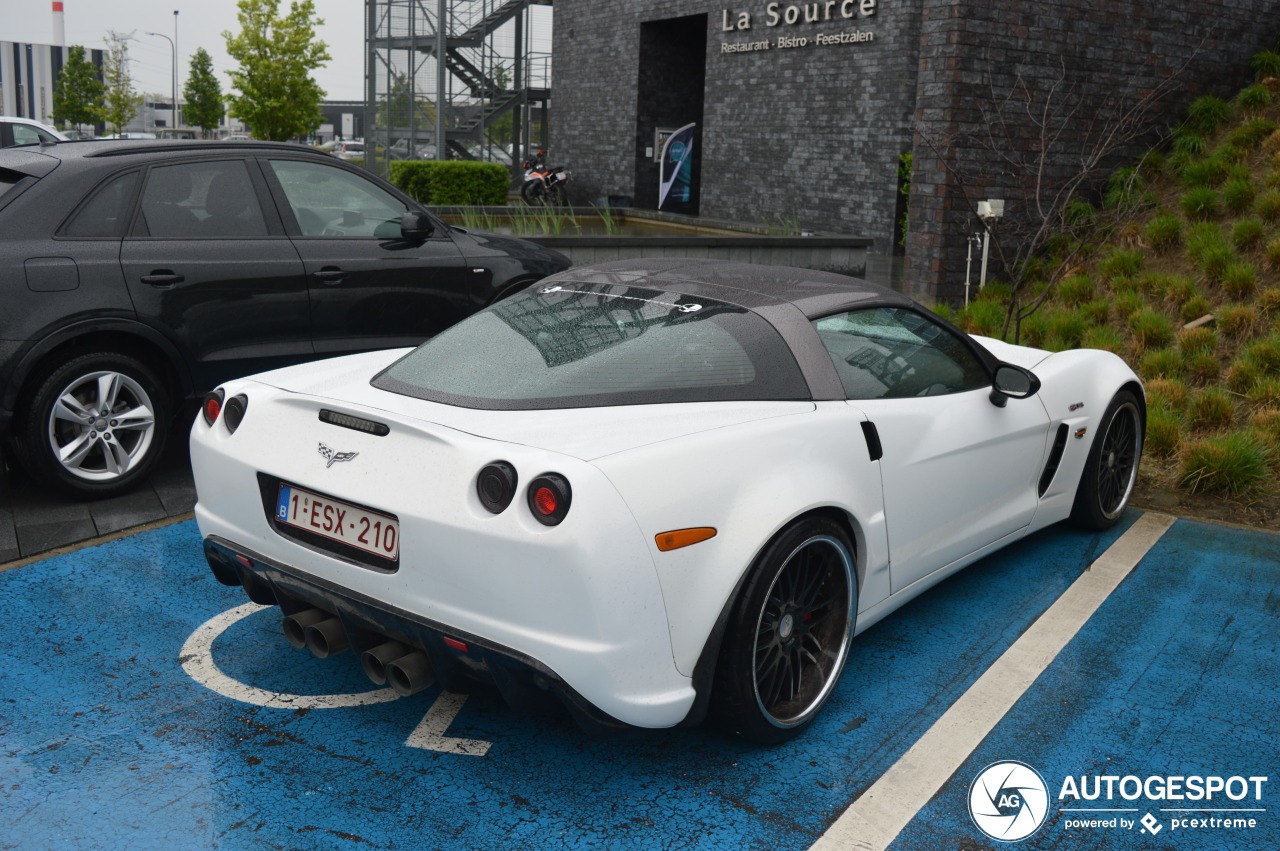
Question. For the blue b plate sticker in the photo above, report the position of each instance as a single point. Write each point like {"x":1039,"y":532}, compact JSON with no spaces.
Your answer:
{"x":282,"y":504}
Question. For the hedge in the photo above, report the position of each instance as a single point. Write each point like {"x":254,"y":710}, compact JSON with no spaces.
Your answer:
{"x":452,"y":182}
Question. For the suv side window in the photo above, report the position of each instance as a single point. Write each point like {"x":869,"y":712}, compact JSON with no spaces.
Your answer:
{"x":204,"y":200}
{"x":106,"y":213}
{"x":892,"y":353}
{"x":332,"y":202}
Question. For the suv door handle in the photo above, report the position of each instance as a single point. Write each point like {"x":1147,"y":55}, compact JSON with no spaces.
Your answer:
{"x":330,"y":274}
{"x":162,"y":278}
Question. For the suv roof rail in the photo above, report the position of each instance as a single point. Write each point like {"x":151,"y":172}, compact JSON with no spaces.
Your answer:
{"x":122,"y":147}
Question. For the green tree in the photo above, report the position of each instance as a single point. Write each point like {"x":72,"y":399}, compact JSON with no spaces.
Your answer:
{"x":203,"y":93}
{"x":77,"y":99}
{"x":272,"y":90}
{"x":121,"y":101}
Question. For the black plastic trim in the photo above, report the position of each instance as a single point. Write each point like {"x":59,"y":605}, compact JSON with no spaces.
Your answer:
{"x":874,"y":448}
{"x":1055,"y":458}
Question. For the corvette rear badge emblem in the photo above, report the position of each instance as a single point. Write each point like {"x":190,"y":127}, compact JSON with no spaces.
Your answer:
{"x":333,"y":457}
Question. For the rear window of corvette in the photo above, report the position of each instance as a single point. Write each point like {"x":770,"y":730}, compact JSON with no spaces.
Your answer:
{"x":589,"y":345}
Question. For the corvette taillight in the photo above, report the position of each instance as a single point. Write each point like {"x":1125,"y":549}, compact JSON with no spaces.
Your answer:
{"x":233,"y":411}
{"x":496,"y":486}
{"x":212,"y":406}
{"x":549,"y":497}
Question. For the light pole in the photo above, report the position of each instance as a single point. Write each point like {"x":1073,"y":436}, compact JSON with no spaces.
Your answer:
{"x":173,"y":45}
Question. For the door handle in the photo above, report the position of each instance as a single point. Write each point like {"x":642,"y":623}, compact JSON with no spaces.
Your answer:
{"x":330,"y":274}
{"x":162,"y":278}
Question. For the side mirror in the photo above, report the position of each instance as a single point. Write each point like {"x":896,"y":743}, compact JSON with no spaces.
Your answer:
{"x":1013,"y":382}
{"x":416,"y":225}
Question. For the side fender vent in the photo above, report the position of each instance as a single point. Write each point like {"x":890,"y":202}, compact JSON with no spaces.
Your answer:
{"x":1055,"y":458}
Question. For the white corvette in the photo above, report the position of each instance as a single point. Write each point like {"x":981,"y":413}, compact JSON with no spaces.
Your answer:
{"x":651,"y":490}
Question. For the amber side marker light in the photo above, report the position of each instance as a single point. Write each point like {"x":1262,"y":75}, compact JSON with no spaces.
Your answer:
{"x":668,"y":541}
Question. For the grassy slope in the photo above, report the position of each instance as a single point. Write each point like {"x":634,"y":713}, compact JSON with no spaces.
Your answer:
{"x":1202,"y":240}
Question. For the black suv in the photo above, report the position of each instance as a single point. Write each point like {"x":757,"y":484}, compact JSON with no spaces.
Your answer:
{"x":138,"y":274}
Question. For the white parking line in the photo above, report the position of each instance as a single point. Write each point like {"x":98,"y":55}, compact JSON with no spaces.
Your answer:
{"x":876,"y":818}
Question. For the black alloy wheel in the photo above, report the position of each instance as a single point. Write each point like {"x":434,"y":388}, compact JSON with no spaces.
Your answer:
{"x":789,"y":635}
{"x":1111,"y":469}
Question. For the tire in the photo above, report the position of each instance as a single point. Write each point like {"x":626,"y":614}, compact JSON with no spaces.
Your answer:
{"x":1111,"y":468}
{"x":559,"y":195}
{"x":70,"y":442}
{"x":789,"y":634}
{"x":533,"y":192}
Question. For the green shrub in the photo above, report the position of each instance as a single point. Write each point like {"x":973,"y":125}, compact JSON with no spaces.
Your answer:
{"x":1124,"y":185}
{"x":1128,"y":304}
{"x":1164,"y":433}
{"x":1188,"y":145}
{"x":1254,"y":99}
{"x":945,"y":310}
{"x":1239,"y":280}
{"x":1248,"y":233}
{"x":1151,"y":330}
{"x":1161,"y":363}
{"x":1098,"y":311}
{"x":1077,"y":211}
{"x":1207,"y":113}
{"x":983,"y":317}
{"x":1237,"y":321}
{"x":1193,"y":340}
{"x":1195,"y":307}
{"x":1265,"y":64}
{"x":1203,"y":368}
{"x":1210,"y":409}
{"x":452,"y":182}
{"x":1251,"y":133}
{"x":1120,"y":263}
{"x":1034,"y":329}
{"x":1204,"y":173}
{"x":1242,"y":375}
{"x":1267,"y":206}
{"x":1166,"y":393}
{"x":1200,"y":203}
{"x":1237,"y":195}
{"x":1103,"y":337}
{"x":1265,"y":393}
{"x":1164,"y":231}
{"x":1215,"y":260}
{"x":1232,"y":464}
{"x":1265,"y":354}
{"x":1178,"y":291}
{"x":1075,"y":290}
{"x":995,"y":291}
{"x":1066,"y":330}
{"x":1265,"y":424}
{"x":1272,"y":252}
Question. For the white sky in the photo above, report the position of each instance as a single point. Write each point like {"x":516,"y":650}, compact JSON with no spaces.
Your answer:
{"x":200,"y":24}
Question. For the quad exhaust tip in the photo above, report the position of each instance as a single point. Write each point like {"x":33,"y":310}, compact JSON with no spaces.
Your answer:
{"x":375,"y":661}
{"x":326,"y":638}
{"x":410,"y":673}
{"x":295,"y":626}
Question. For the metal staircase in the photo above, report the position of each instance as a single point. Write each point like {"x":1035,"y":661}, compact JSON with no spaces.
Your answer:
{"x":493,"y":81}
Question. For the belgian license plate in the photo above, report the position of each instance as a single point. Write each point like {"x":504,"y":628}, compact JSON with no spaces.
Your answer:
{"x":367,"y":531}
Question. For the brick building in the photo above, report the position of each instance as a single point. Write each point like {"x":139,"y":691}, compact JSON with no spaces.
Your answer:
{"x":803,"y":108}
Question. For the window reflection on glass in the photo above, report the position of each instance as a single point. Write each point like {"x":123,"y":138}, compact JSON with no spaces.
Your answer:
{"x":331,"y":202}
{"x":887,"y":353}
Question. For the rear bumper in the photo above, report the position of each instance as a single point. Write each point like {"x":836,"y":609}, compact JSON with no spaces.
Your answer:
{"x":525,"y":683}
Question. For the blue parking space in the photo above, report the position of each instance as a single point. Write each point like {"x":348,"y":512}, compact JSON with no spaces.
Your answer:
{"x":1176,"y":676}
{"x":107,"y":739}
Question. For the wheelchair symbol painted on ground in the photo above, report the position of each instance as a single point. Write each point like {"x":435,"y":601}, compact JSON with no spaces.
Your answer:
{"x":197,"y":660}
